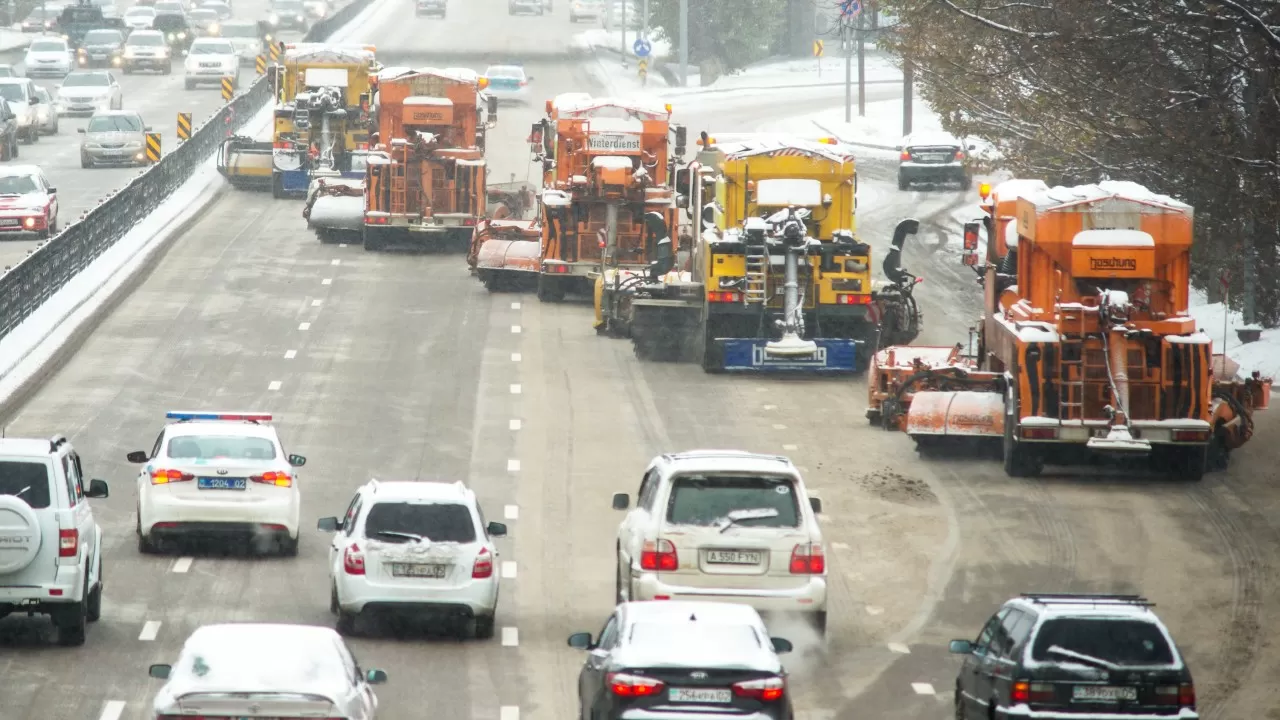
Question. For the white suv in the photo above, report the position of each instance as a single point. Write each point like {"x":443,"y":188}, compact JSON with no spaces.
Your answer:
{"x":414,"y":548}
{"x":22,"y":97}
{"x":219,"y":474}
{"x":50,"y":545}
{"x":728,"y":526}
{"x":211,"y":59}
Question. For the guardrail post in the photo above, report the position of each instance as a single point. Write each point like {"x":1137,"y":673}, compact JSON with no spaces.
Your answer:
{"x":184,"y":126}
{"x":153,"y":147}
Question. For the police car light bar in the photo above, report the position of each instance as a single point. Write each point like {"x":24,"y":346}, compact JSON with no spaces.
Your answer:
{"x":182,"y":415}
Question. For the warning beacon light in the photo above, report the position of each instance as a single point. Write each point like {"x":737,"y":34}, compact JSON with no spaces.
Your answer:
{"x":984,"y":190}
{"x":187,"y":416}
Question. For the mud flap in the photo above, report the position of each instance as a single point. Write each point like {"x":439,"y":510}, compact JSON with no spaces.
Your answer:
{"x":664,"y":330}
{"x":834,"y":355}
{"x":958,"y":414}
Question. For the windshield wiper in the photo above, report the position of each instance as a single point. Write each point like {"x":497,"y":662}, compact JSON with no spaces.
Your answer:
{"x":401,"y":535}
{"x":1081,"y":658}
{"x":737,"y":516}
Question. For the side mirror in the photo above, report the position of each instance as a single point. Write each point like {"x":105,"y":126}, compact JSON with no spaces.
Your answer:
{"x":160,"y":672}
{"x":294,"y":460}
{"x":497,"y":529}
{"x":329,"y":524}
{"x":972,"y":148}
{"x":34,"y":101}
{"x":97,"y":489}
{"x":621,"y":501}
{"x":528,"y":78}
{"x":81,"y":131}
{"x":53,"y":190}
{"x":493,"y":105}
{"x":816,"y":505}
{"x":185,"y":53}
{"x":146,"y":128}
{"x":781,"y":646}
{"x":580,"y":641}
{"x":137,"y":456}
{"x":960,"y":647}
{"x":375,"y":677}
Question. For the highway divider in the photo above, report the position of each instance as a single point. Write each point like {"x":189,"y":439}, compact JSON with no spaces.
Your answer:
{"x":28,"y":284}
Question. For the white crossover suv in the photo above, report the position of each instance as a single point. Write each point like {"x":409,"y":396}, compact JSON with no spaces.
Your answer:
{"x":414,"y":548}
{"x":728,"y":526}
{"x":221,"y":475}
{"x":50,"y":545}
{"x":211,"y":59}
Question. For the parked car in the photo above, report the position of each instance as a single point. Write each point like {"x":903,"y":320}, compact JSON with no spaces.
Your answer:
{"x":113,"y":137}
{"x":46,"y":112}
{"x":48,"y":56}
{"x":933,"y":158}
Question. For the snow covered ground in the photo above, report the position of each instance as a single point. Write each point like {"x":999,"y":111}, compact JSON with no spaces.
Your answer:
{"x":1262,"y":356}
{"x":602,"y":39}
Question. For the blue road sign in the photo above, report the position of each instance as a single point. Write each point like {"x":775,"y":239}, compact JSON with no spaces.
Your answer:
{"x":850,"y":8}
{"x":642,"y":47}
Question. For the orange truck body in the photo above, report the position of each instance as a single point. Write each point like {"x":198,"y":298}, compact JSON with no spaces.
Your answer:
{"x":1086,"y":340}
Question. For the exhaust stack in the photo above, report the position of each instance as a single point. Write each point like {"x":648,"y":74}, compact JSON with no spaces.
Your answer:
{"x":792,"y":323}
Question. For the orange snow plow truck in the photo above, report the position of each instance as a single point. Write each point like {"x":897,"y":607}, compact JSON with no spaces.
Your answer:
{"x":606,"y":197}
{"x":430,"y":189}
{"x":1086,"y":346}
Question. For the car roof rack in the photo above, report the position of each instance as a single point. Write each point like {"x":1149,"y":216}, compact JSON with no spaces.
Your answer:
{"x":1088,"y":599}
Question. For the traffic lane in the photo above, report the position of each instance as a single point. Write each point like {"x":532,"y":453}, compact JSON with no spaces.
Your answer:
{"x":472,"y":28}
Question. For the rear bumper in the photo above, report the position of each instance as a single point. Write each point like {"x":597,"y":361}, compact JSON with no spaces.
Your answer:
{"x":211,"y":516}
{"x":809,"y":597}
{"x":1155,"y":432}
{"x":927,"y":171}
{"x":228,"y":531}
{"x":1022,"y":712}
{"x":67,"y":587}
{"x":476,"y":597}
{"x":681,"y":715}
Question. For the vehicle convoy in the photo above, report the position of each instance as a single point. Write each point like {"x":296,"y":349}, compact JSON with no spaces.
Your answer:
{"x":50,"y":544}
{"x":1085,"y":346}
{"x":607,"y":203}
{"x":778,"y":280}
{"x":432,"y":190}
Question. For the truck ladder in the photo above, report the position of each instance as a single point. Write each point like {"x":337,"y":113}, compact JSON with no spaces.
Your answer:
{"x":1072,"y":328}
{"x":399,"y":166}
{"x":756,"y":289}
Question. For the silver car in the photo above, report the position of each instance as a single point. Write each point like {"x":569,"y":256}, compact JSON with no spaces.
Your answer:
{"x":114,"y":137}
{"x":46,"y":113}
{"x":85,"y":92}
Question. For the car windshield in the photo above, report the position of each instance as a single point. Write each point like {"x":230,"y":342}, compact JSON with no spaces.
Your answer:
{"x":440,"y":522}
{"x":708,"y":500}
{"x":27,"y":480}
{"x":731,"y":640}
{"x":505,"y":72}
{"x":7,"y":71}
{"x":102,"y":37}
{"x":48,"y":46}
{"x":85,"y":80}
{"x":115,"y":123}
{"x":141,"y":12}
{"x":240,"y":31}
{"x":169,"y":8}
{"x":12,"y":92}
{"x":39,"y":14}
{"x":212,"y":49}
{"x":43,"y":94}
{"x":203,"y":15}
{"x":218,"y":447}
{"x":146,"y":40}
{"x":1112,"y":640}
{"x":18,"y":184}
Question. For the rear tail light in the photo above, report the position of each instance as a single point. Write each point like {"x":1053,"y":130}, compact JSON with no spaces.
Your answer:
{"x":68,"y":543}
{"x":808,"y":559}
{"x":1187,"y":695}
{"x":660,"y":555}
{"x":627,"y":685}
{"x":483,"y":566}
{"x":766,"y":689}
{"x":555,"y":268}
{"x":1191,"y":436}
{"x":1038,"y":433}
{"x":375,"y":220}
{"x":959,"y":154}
{"x":723,"y":296}
{"x":353,"y":560}
{"x":848,"y":299}
{"x":1029,"y":692}
{"x":523,"y":83}
{"x":905,"y":156}
{"x":164,"y":477}
{"x":279,"y":479}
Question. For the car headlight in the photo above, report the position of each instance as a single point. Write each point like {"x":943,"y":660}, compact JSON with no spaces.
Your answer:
{"x":214,"y":28}
{"x":182,"y":36}
{"x":273,"y":18}
{"x":299,"y":18}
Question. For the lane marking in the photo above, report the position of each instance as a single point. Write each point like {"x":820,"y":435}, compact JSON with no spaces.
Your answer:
{"x":515,"y":389}
{"x":762,"y":389}
{"x":513,"y":465}
{"x":515,"y":329}
{"x":150,"y":629}
{"x":779,"y":426}
{"x":514,"y":424}
{"x":923,"y":689}
{"x":342,"y":244}
{"x":291,"y":354}
{"x":511,"y":512}
{"x":515,"y":306}
{"x":327,"y":281}
{"x":183,"y":564}
{"x":336,"y":261}
{"x":770,"y":407}
{"x":509,"y":569}
{"x":509,"y":712}
{"x":875,"y":610}
{"x":515,"y":357}
{"x":317,"y":302}
{"x":113,"y":710}
{"x":900,"y":648}
{"x":510,"y":637}
{"x":803,"y":469}
{"x":304,"y":326}
{"x":840,"y":545}
{"x":790,"y":447}
{"x":275,"y":385}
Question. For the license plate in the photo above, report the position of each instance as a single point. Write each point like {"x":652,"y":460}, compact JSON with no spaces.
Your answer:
{"x":1102,"y":693}
{"x":699,"y":695}
{"x":933,"y":157}
{"x":9,"y":222}
{"x":735,"y":557}
{"x":213,"y":483}
{"x":118,"y":153}
{"x":209,"y":65}
{"x":417,"y":570}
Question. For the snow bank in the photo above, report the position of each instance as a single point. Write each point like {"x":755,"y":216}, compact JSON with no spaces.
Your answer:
{"x":881,"y":128}
{"x":612,"y":40}
{"x":1262,"y":356}
{"x":14,"y":39}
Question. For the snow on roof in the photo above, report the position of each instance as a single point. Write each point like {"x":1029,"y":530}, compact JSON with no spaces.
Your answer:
{"x":766,"y":144}
{"x":329,"y":53}
{"x":1016,"y":188}
{"x":564,"y":100}
{"x":583,"y":105}
{"x":697,"y":635}
{"x":420,"y":100}
{"x":785,"y":192}
{"x":1112,"y":238}
{"x":248,"y":657}
{"x":18,"y":170}
{"x":416,"y":490}
{"x":612,"y":162}
{"x":614,"y":125}
{"x":1060,"y":195}
{"x":13,"y":447}
{"x":931,"y":138}
{"x":463,"y":72}
{"x":388,"y":73}
{"x":462,"y":75}
{"x":1011,"y":234}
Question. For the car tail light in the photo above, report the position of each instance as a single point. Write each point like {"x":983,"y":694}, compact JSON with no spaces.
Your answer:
{"x":723,"y":296}
{"x":353,"y":560}
{"x":1039,"y":433}
{"x":555,"y":268}
{"x":164,"y":477}
{"x":660,"y":555}
{"x":1190,"y":435}
{"x":523,"y":83}
{"x":273,"y":477}
{"x":905,"y":156}
{"x":766,"y":689}
{"x":375,"y":220}
{"x":627,"y":685}
{"x":959,"y":154}
{"x":1187,"y":695}
{"x":1029,"y":692}
{"x":68,"y":543}
{"x":483,"y":566}
{"x":808,"y":559}
{"x":848,"y":299}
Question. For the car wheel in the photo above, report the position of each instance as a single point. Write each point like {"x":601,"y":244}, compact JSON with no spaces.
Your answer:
{"x":13,"y":147}
{"x":959,"y":702}
{"x":72,"y":622}
{"x":819,"y":623}
{"x":289,"y":546}
{"x":485,"y":626}
{"x":333,"y":599}
{"x":93,"y":607}
{"x":346,"y":624}
{"x":190,"y":85}
{"x":85,"y":162}
{"x":903,"y":183}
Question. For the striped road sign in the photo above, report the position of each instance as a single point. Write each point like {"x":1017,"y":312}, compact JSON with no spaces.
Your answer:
{"x":153,"y":147}
{"x":275,"y":51}
{"x":227,"y":89}
{"x":261,"y":64}
{"x":184,"y":126}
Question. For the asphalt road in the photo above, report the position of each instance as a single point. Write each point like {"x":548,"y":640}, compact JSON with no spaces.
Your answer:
{"x":159,"y":98}
{"x":400,"y":365}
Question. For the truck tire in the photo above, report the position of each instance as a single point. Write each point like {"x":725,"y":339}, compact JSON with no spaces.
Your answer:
{"x":374,"y":239}
{"x":19,"y":534}
{"x":549,"y":290}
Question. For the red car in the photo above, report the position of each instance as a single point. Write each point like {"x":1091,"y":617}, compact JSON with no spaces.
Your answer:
{"x":28,"y":203}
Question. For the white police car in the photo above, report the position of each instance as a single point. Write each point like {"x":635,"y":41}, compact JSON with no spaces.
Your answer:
{"x":221,"y":475}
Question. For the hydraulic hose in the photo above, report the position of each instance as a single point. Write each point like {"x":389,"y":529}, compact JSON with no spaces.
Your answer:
{"x":892,"y":265}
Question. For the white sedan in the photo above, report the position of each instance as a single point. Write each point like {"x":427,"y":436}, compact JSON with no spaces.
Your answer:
{"x":220,"y":475}
{"x":85,"y":92}
{"x":508,"y":82}
{"x":140,"y":17}
{"x":48,"y":56}
{"x":211,"y":59}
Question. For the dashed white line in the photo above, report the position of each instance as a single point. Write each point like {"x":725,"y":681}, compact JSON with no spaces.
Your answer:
{"x":515,"y":424}
{"x":515,"y":389}
{"x":515,"y":357}
{"x":317,"y":302}
{"x":923,"y":689}
{"x":336,"y":261}
{"x":513,"y":465}
{"x":510,"y":637}
{"x":509,"y":712}
{"x":790,"y":447}
{"x":515,"y":306}
{"x":779,"y":426}
{"x":840,"y":545}
{"x":900,"y":648}
{"x":509,"y":569}
{"x":342,"y":244}
{"x":183,"y":564}
{"x":875,"y":610}
{"x":304,"y":326}
{"x":113,"y":710}
{"x":150,"y":629}
{"x":515,"y":329}
{"x":275,"y":385}
{"x":770,"y":407}
{"x":511,"y":512}
{"x":290,"y":354}
{"x":327,"y":281}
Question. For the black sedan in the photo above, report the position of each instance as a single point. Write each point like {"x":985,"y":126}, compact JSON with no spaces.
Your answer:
{"x":101,"y":48}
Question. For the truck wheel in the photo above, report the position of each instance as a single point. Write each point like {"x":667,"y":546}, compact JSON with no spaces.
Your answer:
{"x":374,"y":239}
{"x":277,"y":185}
{"x":549,"y":290}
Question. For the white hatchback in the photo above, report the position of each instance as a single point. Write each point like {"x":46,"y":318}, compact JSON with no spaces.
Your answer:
{"x":724,"y":525}
{"x":414,"y":548}
{"x":218,"y":474}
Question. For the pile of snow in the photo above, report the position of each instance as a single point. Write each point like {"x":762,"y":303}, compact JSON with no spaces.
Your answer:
{"x":613,"y":40}
{"x":14,"y":39}
{"x":881,"y":128}
{"x":813,"y":72}
{"x":1262,"y":356}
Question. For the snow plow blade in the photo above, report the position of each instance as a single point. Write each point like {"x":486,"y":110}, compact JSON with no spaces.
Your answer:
{"x":246,"y":163}
{"x":664,"y":330}
{"x":335,"y":209}
{"x":510,"y":201}
{"x":507,"y":253}
{"x":962,"y":414}
{"x":833,"y":355}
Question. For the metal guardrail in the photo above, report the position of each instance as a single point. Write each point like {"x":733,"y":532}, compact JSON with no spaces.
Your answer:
{"x":28,"y":284}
